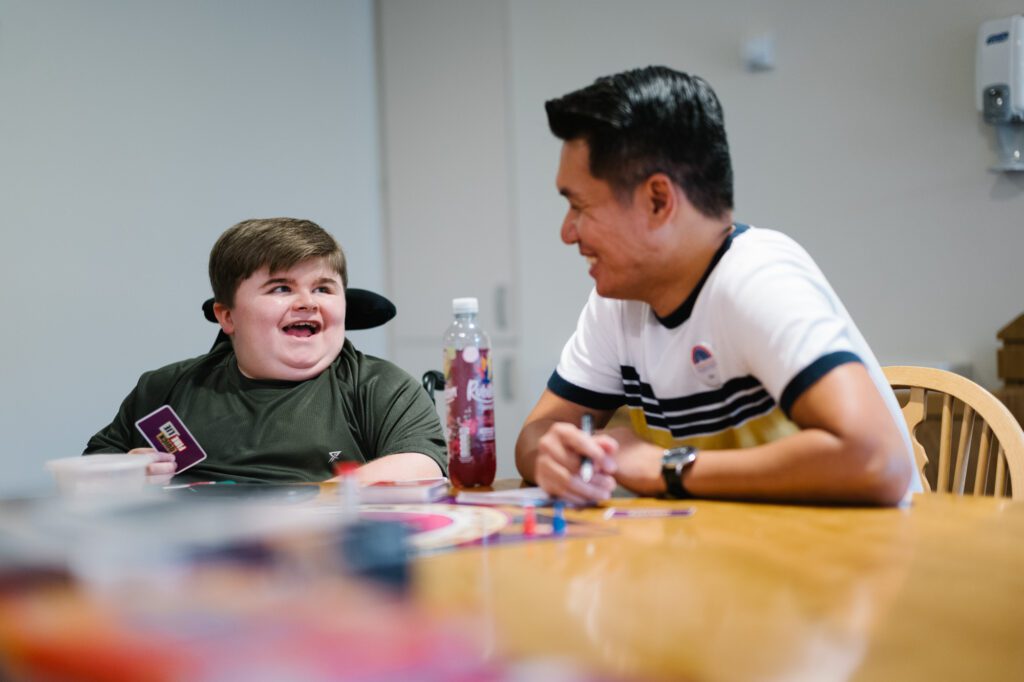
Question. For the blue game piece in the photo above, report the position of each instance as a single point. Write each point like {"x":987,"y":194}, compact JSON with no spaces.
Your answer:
{"x":558,"y":519}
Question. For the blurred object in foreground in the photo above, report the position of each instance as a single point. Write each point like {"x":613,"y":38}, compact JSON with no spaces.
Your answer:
{"x":176,"y":588}
{"x":94,"y":475}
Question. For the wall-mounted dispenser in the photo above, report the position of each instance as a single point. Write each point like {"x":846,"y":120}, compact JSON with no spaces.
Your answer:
{"x":999,"y":87}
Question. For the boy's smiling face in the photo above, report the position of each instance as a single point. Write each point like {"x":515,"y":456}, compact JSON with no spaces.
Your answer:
{"x":287,"y":325}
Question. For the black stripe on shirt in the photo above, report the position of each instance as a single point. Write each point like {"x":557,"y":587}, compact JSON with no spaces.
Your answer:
{"x":718,"y":411}
{"x":737,"y":401}
{"x":702,"y":427}
{"x":689,"y":402}
{"x":583,"y":396}
{"x":810,"y":374}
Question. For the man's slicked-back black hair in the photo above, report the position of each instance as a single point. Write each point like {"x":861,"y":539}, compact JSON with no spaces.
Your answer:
{"x":651,"y":120}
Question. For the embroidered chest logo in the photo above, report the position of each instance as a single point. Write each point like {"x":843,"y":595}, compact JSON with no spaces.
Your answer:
{"x":334,"y":456}
{"x":704,"y":363}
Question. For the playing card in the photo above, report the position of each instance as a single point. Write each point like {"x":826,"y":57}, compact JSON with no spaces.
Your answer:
{"x":165,"y":431}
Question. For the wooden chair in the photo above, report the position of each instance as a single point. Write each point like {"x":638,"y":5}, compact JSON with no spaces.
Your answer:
{"x":999,"y":432}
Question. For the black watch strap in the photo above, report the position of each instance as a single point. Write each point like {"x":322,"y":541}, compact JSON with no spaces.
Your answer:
{"x":674,"y":463}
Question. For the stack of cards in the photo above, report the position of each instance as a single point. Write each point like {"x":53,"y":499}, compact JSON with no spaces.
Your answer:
{"x":398,"y":492}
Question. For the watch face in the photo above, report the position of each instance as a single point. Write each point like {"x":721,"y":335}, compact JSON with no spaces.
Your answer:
{"x":675,"y":456}
{"x":673,"y":463}
{"x":672,"y":458}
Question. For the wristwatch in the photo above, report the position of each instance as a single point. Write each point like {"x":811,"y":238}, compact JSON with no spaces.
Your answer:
{"x":674,"y":463}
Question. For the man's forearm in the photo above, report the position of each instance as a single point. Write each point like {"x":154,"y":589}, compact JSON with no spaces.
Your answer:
{"x":810,"y":466}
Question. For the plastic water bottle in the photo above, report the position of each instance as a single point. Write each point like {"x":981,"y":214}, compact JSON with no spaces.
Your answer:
{"x":469,"y":397}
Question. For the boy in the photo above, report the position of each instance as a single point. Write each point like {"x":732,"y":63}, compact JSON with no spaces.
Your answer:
{"x":288,"y":397}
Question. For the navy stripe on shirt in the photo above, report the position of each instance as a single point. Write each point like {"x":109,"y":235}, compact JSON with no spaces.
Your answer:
{"x":583,"y":396}
{"x":810,"y":374}
{"x":736,"y":402}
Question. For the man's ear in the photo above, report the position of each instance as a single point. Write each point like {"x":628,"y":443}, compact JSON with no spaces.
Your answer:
{"x":660,"y":197}
{"x":223,"y":315}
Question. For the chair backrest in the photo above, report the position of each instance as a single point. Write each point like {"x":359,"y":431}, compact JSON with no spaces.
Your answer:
{"x":998,"y":432}
{"x":364,"y":309}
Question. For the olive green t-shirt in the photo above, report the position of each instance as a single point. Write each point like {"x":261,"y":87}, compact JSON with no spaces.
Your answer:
{"x":358,"y":409}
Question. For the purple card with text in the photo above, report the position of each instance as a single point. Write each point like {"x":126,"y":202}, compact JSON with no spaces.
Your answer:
{"x":165,"y":431}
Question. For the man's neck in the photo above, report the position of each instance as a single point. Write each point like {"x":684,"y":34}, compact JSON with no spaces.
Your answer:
{"x":684,"y":271}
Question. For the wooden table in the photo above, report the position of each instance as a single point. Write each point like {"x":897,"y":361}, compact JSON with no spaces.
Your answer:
{"x":750,"y":591}
{"x":733,"y":592}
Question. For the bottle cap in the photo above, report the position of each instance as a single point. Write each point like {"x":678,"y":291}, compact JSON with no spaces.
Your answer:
{"x":465,"y":305}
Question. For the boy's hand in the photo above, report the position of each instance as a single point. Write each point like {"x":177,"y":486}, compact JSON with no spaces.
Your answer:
{"x":161,"y":470}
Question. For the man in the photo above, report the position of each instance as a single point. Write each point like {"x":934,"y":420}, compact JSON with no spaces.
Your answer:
{"x":289,"y":396}
{"x":743,"y":374}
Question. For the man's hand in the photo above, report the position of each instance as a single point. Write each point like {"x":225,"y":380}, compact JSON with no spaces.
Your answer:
{"x":637,"y":463}
{"x":560,"y":452}
{"x":160,"y":471}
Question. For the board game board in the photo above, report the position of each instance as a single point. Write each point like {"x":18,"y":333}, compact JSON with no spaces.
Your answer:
{"x":438,"y":527}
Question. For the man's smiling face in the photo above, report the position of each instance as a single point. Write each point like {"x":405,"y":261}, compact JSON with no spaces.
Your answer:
{"x":287,"y":325}
{"x":611,"y":235}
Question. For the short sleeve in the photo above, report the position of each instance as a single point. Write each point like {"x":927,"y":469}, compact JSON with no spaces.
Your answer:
{"x":589,"y":372}
{"x":786,"y":322}
{"x":120,"y":435}
{"x":398,"y":416}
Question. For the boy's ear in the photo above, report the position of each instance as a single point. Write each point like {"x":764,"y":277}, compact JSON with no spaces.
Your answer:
{"x":223,"y":315}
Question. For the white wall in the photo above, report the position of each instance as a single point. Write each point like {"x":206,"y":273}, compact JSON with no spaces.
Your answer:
{"x":134,"y":132}
{"x":863,"y":144}
{"x":450,"y":233}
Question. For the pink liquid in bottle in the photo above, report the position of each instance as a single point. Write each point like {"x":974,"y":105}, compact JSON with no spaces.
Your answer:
{"x":469,"y":397}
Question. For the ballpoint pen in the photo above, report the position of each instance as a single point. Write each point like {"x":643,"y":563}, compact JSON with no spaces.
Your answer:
{"x":586,"y":466}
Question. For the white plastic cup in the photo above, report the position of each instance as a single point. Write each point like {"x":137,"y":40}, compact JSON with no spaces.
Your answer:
{"x":100,"y":474}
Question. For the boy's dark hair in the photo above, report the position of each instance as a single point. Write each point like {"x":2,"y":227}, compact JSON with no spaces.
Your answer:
{"x":652,"y":120}
{"x":274,"y":243}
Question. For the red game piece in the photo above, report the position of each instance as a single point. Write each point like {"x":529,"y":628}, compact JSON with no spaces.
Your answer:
{"x":529,"y":521}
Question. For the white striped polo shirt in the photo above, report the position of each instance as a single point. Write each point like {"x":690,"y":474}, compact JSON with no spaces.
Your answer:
{"x":724,"y":369}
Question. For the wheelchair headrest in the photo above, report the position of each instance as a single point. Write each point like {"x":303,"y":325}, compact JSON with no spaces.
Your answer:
{"x":364,"y":309}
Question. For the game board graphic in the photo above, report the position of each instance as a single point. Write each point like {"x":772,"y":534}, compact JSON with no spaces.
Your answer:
{"x":440,"y":527}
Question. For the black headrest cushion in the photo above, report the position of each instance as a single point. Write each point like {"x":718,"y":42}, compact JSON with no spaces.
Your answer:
{"x":365,"y":309}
